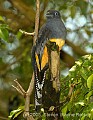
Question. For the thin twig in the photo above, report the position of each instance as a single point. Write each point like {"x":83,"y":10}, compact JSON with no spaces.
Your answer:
{"x":31,"y":85}
{"x":18,"y":90}
{"x":27,"y":33}
{"x":37,"y":19}
{"x":20,"y":87}
{"x":71,"y":90}
{"x":68,"y":96}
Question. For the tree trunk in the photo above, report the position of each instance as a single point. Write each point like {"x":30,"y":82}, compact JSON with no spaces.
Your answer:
{"x":51,"y":92}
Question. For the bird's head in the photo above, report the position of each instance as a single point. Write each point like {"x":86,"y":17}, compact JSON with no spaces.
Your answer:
{"x":52,"y":14}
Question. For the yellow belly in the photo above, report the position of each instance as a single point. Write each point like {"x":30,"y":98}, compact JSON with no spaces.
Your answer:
{"x":58,"y":41}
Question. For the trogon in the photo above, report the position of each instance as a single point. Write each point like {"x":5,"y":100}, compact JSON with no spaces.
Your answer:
{"x":54,"y":31}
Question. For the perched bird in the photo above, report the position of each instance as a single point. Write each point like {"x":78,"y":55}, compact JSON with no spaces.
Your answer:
{"x":54,"y":31}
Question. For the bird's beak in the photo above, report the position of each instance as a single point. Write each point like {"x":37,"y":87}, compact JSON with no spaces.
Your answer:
{"x":48,"y":14}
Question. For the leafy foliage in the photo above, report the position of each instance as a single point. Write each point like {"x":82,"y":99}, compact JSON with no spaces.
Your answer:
{"x":16,"y":113}
{"x":80,"y":104}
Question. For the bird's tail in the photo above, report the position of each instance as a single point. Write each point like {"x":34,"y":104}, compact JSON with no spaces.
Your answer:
{"x":39,"y":77}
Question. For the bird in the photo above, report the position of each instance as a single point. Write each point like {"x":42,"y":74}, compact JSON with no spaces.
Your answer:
{"x":52,"y":30}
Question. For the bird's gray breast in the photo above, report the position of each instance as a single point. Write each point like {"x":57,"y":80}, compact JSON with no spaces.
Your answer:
{"x":57,"y":28}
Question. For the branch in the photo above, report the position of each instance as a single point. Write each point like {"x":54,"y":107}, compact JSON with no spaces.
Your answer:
{"x":28,"y":94}
{"x":31,"y":85}
{"x":26,"y":33}
{"x":37,"y":19}
{"x":68,"y":59}
{"x":76,"y":49}
{"x":67,"y":99}
{"x":19,"y":88}
{"x":71,"y":89}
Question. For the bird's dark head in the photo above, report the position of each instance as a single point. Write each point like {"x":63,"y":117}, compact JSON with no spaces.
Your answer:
{"x":52,"y":14}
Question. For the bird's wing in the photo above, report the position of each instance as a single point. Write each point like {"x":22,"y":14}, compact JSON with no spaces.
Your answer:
{"x":40,"y":63}
{"x":41,"y":54}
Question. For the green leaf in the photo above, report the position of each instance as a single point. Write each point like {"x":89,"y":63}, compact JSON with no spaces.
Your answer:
{"x":1,"y":18}
{"x":73,"y":68}
{"x":90,"y":81}
{"x":83,"y":73}
{"x":80,"y":103}
{"x":17,"y":112}
{"x":4,"y":26}
{"x":89,"y":95}
{"x":4,"y":34}
{"x":79,"y":63}
{"x":83,"y":117}
{"x":87,"y":57}
{"x":19,"y":34}
{"x":13,"y":113}
{"x":91,"y":113}
{"x":64,"y":110}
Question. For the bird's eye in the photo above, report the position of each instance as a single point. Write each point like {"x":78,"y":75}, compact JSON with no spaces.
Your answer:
{"x":56,"y":13}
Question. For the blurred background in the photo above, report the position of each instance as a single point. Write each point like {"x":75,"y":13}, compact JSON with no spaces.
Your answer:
{"x":15,"y":48}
